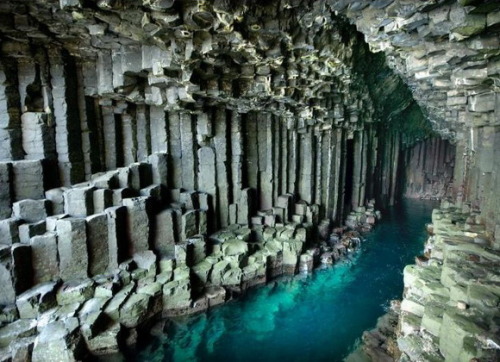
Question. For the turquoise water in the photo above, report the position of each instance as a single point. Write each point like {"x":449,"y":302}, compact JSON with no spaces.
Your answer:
{"x":315,"y":318}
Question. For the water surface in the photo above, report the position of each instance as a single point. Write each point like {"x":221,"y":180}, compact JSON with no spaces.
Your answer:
{"x":317,"y":318}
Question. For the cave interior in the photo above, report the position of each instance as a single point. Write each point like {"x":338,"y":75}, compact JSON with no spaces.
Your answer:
{"x":174,"y":153}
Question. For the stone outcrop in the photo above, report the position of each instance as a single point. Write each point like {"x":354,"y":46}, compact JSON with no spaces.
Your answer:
{"x":429,"y":171}
{"x":447,"y":52}
{"x":159,"y":157}
{"x":450,"y":305}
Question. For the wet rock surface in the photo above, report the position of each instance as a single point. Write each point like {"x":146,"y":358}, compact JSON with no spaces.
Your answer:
{"x":79,"y":318}
{"x":449,"y":308}
{"x":158,"y":157}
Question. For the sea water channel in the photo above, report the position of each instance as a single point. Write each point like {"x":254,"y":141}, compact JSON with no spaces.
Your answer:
{"x":320,"y":317}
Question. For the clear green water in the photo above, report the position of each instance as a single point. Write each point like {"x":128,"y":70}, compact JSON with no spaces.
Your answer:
{"x":315,"y":318}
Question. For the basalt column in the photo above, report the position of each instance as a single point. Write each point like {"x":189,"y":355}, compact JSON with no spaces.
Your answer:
{"x":429,"y":169}
{"x":211,"y":143}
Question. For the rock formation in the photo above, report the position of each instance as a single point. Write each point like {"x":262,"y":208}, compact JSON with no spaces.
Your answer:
{"x":158,"y":156}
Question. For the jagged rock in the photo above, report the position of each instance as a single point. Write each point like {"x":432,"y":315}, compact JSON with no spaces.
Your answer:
{"x":29,"y":176}
{"x":5,"y":193}
{"x":22,"y":349}
{"x":75,"y":291}
{"x":60,"y":338}
{"x":146,"y":260}
{"x":176,"y":295}
{"x":9,"y":314}
{"x":31,"y":211}
{"x":189,"y":224}
{"x":37,"y":300}
{"x":106,"y":342}
{"x":15,"y":271}
{"x":234,"y":247}
{"x":134,"y":310}
{"x":18,"y":329}
{"x":27,"y":231}
{"x":165,"y":232}
{"x":9,"y":231}
{"x":244,"y":109}
{"x":113,"y":307}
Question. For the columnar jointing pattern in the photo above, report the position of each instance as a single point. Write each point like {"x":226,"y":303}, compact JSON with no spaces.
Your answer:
{"x":132,"y":132}
{"x":235,"y":97}
{"x":447,"y":52}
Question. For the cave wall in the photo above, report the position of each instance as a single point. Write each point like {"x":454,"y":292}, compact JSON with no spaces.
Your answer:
{"x":132,"y":130}
{"x":429,"y":167}
{"x":249,"y":106}
{"x":448,"y":54}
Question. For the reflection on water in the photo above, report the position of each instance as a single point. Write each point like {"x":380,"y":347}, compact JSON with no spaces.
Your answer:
{"x":316,"y":318}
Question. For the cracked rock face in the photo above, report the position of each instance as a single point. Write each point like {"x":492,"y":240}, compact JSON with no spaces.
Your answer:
{"x":157,"y":156}
{"x":446,"y":51}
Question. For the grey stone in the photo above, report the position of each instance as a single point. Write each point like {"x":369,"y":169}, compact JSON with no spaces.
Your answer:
{"x":79,"y":201}
{"x":112,"y":309}
{"x":56,"y":198}
{"x":106,"y":180}
{"x":206,"y":171}
{"x":5,"y":189}
{"x":31,"y":211}
{"x":8,"y":294}
{"x":59,"y":338}
{"x":216,"y":296}
{"x":9,"y":231}
{"x":117,"y":245}
{"x":159,"y":167}
{"x":177,"y":295}
{"x":72,"y":248}
{"x":37,"y":300}
{"x":120,"y":194}
{"x":38,"y":136}
{"x":106,"y":342}
{"x":155,"y":192}
{"x":102,"y":199}
{"x":138,"y":227}
{"x":92,"y":318}
{"x":9,"y":314}
{"x":140,"y":175}
{"x":98,"y":244}
{"x":44,"y":257}
{"x":28,"y":180}
{"x":134,"y":309}
{"x":197,"y":250}
{"x":27,"y":231}
{"x":146,"y":260}
{"x":189,"y":199}
{"x":21,"y":267}
{"x":246,"y":208}
{"x":51,"y":221}
{"x":18,"y":329}
{"x":75,"y":291}
{"x":22,"y":349}
{"x":124,"y":177}
{"x":189,"y":224}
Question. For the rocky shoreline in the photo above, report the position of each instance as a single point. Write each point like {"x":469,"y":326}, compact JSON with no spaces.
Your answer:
{"x":449,"y":310}
{"x":87,"y":317}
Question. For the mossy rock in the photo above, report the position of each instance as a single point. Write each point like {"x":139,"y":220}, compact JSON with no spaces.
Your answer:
{"x":234,"y":247}
{"x":432,"y":319}
{"x":456,"y":327}
{"x":485,"y":297}
{"x":202,"y":270}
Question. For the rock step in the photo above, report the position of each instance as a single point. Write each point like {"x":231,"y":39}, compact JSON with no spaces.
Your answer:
{"x":451,"y":300}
